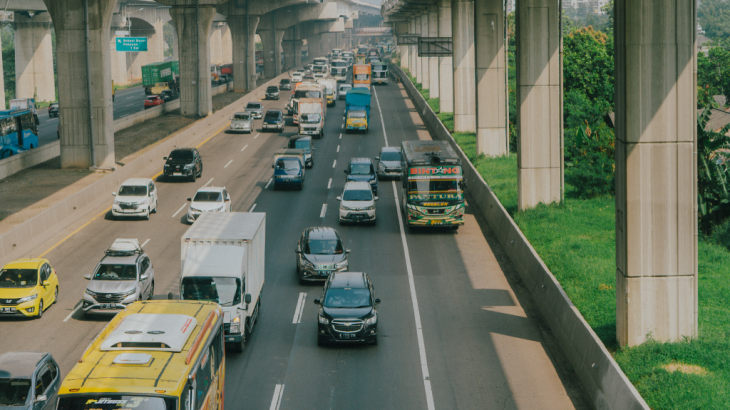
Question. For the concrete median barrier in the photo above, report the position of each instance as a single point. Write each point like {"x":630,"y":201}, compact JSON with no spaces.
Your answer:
{"x":601,"y":377}
{"x":27,"y":159}
{"x":75,"y":209}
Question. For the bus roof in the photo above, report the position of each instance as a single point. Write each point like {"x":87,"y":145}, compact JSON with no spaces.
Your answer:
{"x":162,"y":333}
{"x":429,"y":153}
{"x":13,"y":113}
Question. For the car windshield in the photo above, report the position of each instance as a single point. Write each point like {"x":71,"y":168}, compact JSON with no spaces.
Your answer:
{"x":359,"y":114}
{"x":360,"y":169}
{"x":133,"y":190}
{"x":357,"y":195}
{"x":390,"y":156}
{"x":208,"y":196}
{"x":241,"y":116}
{"x":323,"y":247}
{"x":181,"y":156}
{"x":253,"y":105}
{"x":115,"y":272}
{"x":285,"y":81}
{"x":54,"y":105}
{"x":347,"y":298}
{"x":272,"y":89}
{"x":223,"y":291}
{"x":361,"y":77}
{"x":18,"y":278}
{"x":288,"y":164}
{"x":302,"y":144}
{"x":380,"y":67}
{"x":344,"y":89}
{"x":14,"y":392}
{"x":310,"y":118}
{"x":115,"y":402}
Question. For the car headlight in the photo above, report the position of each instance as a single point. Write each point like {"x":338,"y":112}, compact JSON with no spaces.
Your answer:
{"x":129,"y":292}
{"x":27,"y":298}
{"x":341,"y":264}
{"x":371,"y":320}
{"x":167,"y":165}
{"x":370,"y":208}
{"x":323,"y":320}
{"x":235,"y":328}
{"x":117,"y":202}
{"x":189,"y":166}
{"x":307,"y":263}
{"x":195,"y":209}
{"x":222,"y":207}
{"x":381,"y":166}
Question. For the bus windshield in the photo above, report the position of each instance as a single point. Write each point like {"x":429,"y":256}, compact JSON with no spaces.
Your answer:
{"x":115,"y":402}
{"x":427,"y":186}
{"x":361,"y":77}
{"x":308,"y":94}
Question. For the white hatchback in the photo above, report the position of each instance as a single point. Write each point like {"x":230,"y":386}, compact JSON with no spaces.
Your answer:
{"x":208,"y":199}
{"x":357,"y":203}
{"x":136,"y":197}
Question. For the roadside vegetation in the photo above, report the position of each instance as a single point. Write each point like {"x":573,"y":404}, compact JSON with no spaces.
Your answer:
{"x":576,"y":238}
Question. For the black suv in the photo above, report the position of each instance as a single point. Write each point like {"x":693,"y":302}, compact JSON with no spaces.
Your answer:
{"x":274,"y":120}
{"x":362,"y":169}
{"x":285,"y":84}
{"x":169,"y":95}
{"x":272,"y":92}
{"x":53,"y":110}
{"x":184,"y":162}
{"x":347,"y":311}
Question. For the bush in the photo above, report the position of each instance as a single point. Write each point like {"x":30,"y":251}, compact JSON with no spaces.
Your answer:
{"x":591,"y":169}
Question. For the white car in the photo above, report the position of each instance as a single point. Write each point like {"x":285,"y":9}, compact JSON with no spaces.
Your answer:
{"x":343,"y":89}
{"x":357,"y":203}
{"x":208,"y":199}
{"x":297,"y":77}
{"x":136,"y":197}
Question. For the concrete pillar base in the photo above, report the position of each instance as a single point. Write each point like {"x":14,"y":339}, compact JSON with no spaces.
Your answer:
{"x":34,"y":57}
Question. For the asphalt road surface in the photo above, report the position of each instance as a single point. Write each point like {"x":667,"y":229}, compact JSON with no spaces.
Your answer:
{"x":126,"y":102}
{"x":455,"y":332}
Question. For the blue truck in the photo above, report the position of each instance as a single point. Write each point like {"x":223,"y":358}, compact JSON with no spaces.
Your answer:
{"x":357,"y":110}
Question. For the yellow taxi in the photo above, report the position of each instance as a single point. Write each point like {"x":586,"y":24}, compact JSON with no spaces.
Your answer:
{"x":27,"y":288}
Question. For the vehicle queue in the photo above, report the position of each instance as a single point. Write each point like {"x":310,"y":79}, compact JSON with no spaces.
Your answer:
{"x":192,"y":332}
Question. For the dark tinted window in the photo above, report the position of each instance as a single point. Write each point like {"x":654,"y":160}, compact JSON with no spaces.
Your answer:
{"x":360,"y":169}
{"x":133,"y":190}
{"x":323,"y":247}
{"x":208,"y":197}
{"x":116,"y":272}
{"x":347,"y":298}
{"x":357,"y":195}
{"x":284,"y":81}
{"x":18,"y":278}
{"x":272,"y":115}
{"x":253,"y":105}
{"x":14,"y":392}
{"x":181,"y":155}
{"x":390,"y":156}
{"x":272,"y":89}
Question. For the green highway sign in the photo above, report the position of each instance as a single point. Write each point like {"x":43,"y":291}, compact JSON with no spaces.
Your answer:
{"x":131,"y":44}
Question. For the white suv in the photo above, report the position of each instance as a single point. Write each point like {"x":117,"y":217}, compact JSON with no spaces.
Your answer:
{"x":136,"y":197}
{"x":357,"y":203}
{"x":208,"y":199}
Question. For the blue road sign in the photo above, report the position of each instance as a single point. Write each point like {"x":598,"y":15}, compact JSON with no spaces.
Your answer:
{"x":132,"y":44}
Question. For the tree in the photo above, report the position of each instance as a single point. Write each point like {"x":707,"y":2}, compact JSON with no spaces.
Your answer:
{"x":713,"y":176}
{"x":714,"y":16}
{"x":588,"y":66}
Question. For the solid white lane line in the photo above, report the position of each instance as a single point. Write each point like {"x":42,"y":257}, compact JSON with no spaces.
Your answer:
{"x":324,"y":211}
{"x":257,"y":135}
{"x":300,"y":308}
{"x":329,"y":184}
{"x":244,"y":148}
{"x":338,"y":148}
{"x":76,"y":309}
{"x":334,"y":164}
{"x":276,"y":401}
{"x":252,"y":208}
{"x":206,"y":184}
{"x":178,"y":211}
{"x":381,"y":117}
{"x":268,"y":183}
{"x":145,"y":243}
{"x":229,"y":163}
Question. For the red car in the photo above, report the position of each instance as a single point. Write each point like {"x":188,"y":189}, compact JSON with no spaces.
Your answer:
{"x":153,"y":101}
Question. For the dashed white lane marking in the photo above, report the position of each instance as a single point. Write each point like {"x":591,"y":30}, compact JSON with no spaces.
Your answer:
{"x":324,"y":211}
{"x":76,"y":309}
{"x":252,"y":208}
{"x":178,"y":211}
{"x":268,"y":183}
{"x":229,"y":163}
{"x":145,"y":243}
{"x":257,"y":135}
{"x":244,"y":148}
{"x":338,"y":148}
{"x":300,"y":308}
{"x":334,"y":164}
{"x":340,"y":136}
{"x":329,"y":184}
{"x":342,"y":127}
{"x":276,"y":401}
{"x":211,"y":180}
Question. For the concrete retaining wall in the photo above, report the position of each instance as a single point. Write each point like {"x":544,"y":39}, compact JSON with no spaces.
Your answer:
{"x":603,"y":380}
{"x":20,"y":241}
{"x":11,"y":165}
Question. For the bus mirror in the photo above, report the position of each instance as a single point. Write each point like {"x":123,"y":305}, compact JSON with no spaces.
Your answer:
{"x":247,"y":298}
{"x":463,"y":184}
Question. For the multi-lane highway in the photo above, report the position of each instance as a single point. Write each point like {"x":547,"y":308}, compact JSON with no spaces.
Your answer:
{"x":454,"y":331}
{"x":126,"y":102}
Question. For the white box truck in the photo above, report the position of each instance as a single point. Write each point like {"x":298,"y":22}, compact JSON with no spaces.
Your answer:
{"x":311,"y":117}
{"x":222,"y":260}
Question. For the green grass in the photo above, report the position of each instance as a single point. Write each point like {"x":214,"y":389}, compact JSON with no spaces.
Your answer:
{"x":124,"y":87}
{"x":576,"y":240}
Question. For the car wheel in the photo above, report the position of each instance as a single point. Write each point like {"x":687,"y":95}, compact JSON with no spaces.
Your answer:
{"x":147,"y":215}
{"x":40,"y":310}
{"x":55,"y":295}
{"x":152,"y":291}
{"x":238,"y":347}
{"x":155,"y":208}
{"x":193,"y":177}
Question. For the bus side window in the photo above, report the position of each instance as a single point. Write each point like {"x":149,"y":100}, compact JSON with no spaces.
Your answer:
{"x":203,"y":379}
{"x":217,"y":349}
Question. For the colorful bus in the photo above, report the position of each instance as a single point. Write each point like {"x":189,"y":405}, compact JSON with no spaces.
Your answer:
{"x":154,"y":355}
{"x":433,"y":184}
{"x":18,"y":131}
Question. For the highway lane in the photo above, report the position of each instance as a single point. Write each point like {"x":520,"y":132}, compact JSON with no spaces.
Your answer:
{"x":478,"y":346}
{"x":126,"y":102}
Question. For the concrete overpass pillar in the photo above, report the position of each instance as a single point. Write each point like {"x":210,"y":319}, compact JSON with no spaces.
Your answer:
{"x":77,"y":125}
{"x":419,"y":60}
{"x":298,"y":53}
{"x":490,"y":78}
{"x":405,"y":50}
{"x":243,"y":42}
{"x":34,"y":57}
{"x":175,"y":44}
{"x":313,"y":45}
{"x":271,"y":40}
{"x":656,"y":171}
{"x":433,"y":62}
{"x":539,"y":103}
{"x":216,"y":44}
{"x":2,"y":81}
{"x":425,"y":61}
{"x":226,"y":44}
{"x":193,"y":29}
{"x":464,"y":76}
{"x":414,"y":48}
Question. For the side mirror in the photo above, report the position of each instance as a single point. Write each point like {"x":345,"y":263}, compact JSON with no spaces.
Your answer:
{"x":297,"y":250}
{"x":144,"y":277}
{"x":190,"y":199}
{"x":41,"y":398}
{"x":114,"y":194}
{"x":150,"y":194}
{"x":317,"y":301}
{"x":377,"y":158}
{"x":463,"y":184}
{"x":339,"y":198}
{"x":345,"y":171}
{"x":272,"y":165}
{"x":377,"y":301}
{"x":165,"y":158}
{"x":170,"y":296}
{"x":247,"y":298}
{"x":347,"y":250}
{"x":46,"y":283}
{"x":87,"y":276}
{"x":376,"y":198}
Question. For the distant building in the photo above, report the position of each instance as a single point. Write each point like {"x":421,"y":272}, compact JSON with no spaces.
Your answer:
{"x":591,"y":6}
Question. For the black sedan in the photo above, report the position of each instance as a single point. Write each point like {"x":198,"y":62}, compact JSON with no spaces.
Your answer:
{"x":53,"y":110}
{"x":348,"y":311}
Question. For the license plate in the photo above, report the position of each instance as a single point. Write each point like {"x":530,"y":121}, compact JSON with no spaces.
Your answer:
{"x":177,"y":174}
{"x":7,"y":310}
{"x":347,"y":336}
{"x":436,"y":222}
{"x":107,"y":306}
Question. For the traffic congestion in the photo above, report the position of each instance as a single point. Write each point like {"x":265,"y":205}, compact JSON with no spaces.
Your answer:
{"x":208,"y":325}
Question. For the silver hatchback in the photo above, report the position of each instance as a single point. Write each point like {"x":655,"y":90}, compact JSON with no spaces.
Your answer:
{"x":242,"y":122}
{"x":124,"y":275}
